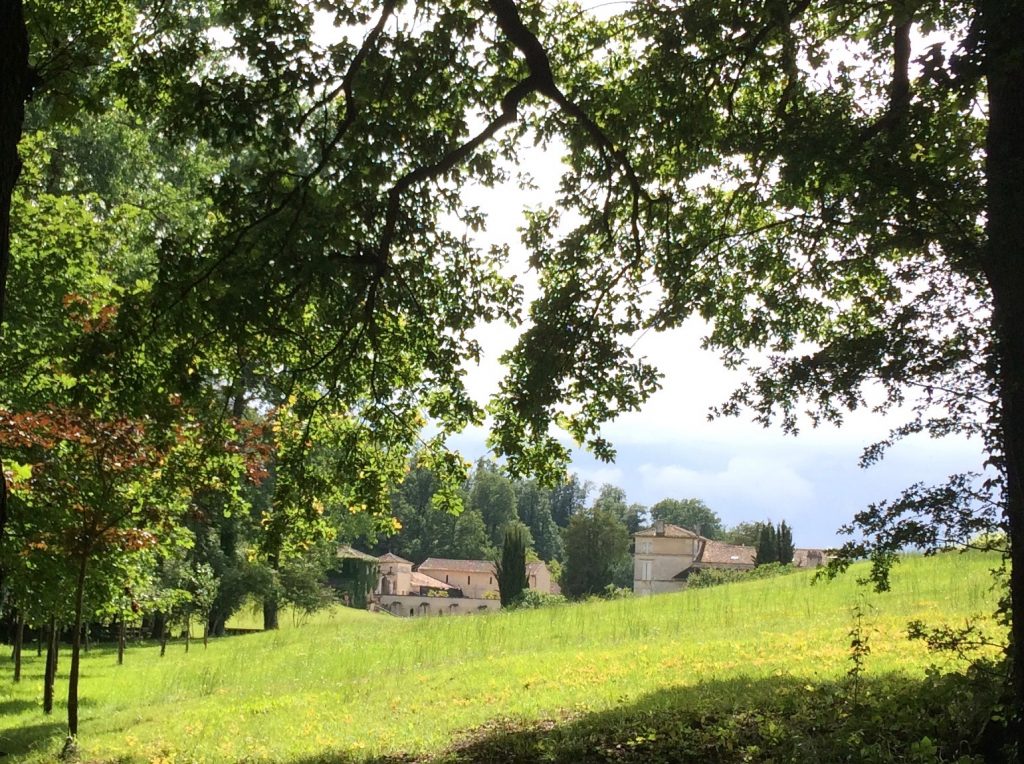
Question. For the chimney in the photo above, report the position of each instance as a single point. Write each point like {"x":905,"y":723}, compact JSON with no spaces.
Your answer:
{"x":659,"y":527}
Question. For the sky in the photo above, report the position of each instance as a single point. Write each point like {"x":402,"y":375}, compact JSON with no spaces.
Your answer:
{"x":740,"y":469}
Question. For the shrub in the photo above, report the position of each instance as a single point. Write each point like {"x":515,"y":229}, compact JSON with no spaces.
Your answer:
{"x":613,"y":592}
{"x":706,"y":577}
{"x":530,"y":600}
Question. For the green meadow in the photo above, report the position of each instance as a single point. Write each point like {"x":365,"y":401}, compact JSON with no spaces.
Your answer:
{"x":755,"y":671}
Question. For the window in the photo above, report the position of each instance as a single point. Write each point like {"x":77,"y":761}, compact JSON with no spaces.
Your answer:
{"x":446,"y":578}
{"x":645,"y":547}
{"x":468,"y":581}
{"x":645,"y":570}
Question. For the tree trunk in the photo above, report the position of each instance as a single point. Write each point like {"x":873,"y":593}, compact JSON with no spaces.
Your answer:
{"x":120,"y":640}
{"x":270,"y":613}
{"x":188,"y":634}
{"x":76,"y":648}
{"x":19,"y":639}
{"x":163,"y":640}
{"x":206,"y":635}
{"x":1003,"y":29}
{"x":271,"y":601}
{"x":50,"y":670}
{"x":159,"y":625}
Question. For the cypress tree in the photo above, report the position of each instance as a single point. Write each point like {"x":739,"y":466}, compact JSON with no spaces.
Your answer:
{"x":767,"y":545}
{"x":785,"y":543}
{"x":511,"y":566}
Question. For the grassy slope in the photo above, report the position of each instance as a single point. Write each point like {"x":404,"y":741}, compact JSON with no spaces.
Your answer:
{"x":371,"y":684}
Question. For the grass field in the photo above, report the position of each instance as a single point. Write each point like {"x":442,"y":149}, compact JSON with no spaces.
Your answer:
{"x":593,"y":681}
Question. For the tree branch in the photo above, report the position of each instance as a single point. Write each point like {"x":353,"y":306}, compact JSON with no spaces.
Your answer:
{"x":351,"y":114}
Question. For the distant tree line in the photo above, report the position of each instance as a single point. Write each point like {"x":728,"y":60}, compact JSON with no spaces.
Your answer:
{"x":583,"y":534}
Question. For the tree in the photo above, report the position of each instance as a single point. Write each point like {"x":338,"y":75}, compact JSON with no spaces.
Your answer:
{"x":612,"y":499}
{"x":860,"y":225}
{"x":774,"y":543}
{"x":767,"y":545}
{"x":424,"y":530}
{"x":568,"y":498}
{"x":309,"y":444}
{"x":744,"y":534}
{"x":510,"y":568}
{"x":470,"y":540}
{"x":596,"y":544}
{"x":491,"y":494}
{"x":435,"y":521}
{"x":692,"y":514}
{"x":98,"y":489}
{"x":785,"y":543}
{"x":533,"y":505}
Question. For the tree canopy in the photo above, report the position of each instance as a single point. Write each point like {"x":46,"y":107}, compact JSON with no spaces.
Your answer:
{"x":596,"y":549}
{"x":692,"y":514}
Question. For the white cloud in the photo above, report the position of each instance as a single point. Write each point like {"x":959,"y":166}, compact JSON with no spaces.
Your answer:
{"x":761,"y":483}
{"x":601,"y":475}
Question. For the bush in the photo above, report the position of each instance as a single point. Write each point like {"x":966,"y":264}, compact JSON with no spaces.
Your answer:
{"x":613,"y":592}
{"x":530,"y":600}
{"x":707,"y":577}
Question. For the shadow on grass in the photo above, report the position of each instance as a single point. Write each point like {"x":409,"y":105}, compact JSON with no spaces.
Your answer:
{"x":16,"y":706}
{"x":787,"y":719}
{"x":17,"y":742}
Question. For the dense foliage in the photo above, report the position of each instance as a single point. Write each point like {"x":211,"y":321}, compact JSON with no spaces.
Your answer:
{"x":596,"y":550}
{"x":707,"y":577}
{"x":510,"y":566}
{"x":774,"y":544}
{"x":692,"y":514}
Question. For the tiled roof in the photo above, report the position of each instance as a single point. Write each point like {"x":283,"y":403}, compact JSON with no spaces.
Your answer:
{"x":421,"y":579}
{"x":718,"y":553}
{"x":391,"y":557}
{"x":462,"y":566}
{"x":671,"y":531}
{"x":809,"y":558}
{"x":345,"y":552}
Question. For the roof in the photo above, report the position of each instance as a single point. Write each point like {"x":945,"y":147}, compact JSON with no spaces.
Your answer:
{"x":809,"y":558}
{"x":533,"y":567}
{"x":671,"y":531}
{"x":345,"y":552}
{"x":421,"y":579}
{"x":391,"y":557}
{"x":463,"y":566}
{"x":714,"y":553}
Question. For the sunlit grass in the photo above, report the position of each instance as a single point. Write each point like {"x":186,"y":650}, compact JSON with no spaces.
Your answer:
{"x":366,"y":683}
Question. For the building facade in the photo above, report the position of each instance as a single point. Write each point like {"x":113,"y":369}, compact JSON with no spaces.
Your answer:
{"x":664,"y":555}
{"x":440,"y":586}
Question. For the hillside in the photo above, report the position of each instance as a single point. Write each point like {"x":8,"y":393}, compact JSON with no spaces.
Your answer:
{"x":358,"y":685}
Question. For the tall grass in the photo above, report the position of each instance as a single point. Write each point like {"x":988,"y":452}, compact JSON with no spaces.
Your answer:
{"x":361,"y":682}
